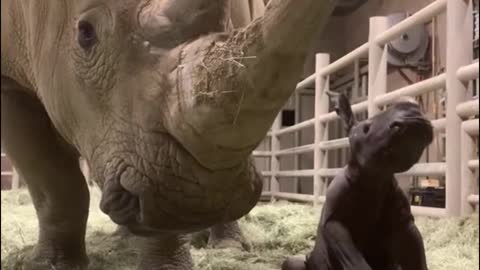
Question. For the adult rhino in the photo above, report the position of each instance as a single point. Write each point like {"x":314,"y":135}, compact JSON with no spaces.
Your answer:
{"x":162,"y":101}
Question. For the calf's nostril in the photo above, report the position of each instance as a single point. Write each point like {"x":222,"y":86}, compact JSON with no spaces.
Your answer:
{"x":397,"y":127}
{"x":366,"y":129}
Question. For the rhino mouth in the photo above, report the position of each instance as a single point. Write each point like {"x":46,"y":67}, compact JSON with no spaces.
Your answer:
{"x":165,"y":202}
{"x":175,"y":193}
{"x":408,"y":143}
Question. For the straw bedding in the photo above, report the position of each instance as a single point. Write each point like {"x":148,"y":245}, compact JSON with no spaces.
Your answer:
{"x":274,"y":231}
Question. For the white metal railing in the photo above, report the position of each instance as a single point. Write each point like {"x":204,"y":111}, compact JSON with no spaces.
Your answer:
{"x":15,"y":179}
{"x":470,"y":129}
{"x":468,"y":73}
{"x":297,"y":127}
{"x":345,"y":60}
{"x":460,"y":69}
{"x":416,"y":89}
{"x":468,"y":108}
{"x":85,"y":169}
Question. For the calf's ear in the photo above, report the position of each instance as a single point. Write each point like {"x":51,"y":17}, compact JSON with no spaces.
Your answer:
{"x":343,"y":109}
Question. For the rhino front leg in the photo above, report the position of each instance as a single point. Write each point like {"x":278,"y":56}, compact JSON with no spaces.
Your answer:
{"x":165,"y":252}
{"x":55,"y":182}
{"x":227,"y":235}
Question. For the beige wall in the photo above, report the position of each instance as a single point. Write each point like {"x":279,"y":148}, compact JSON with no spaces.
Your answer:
{"x":330,"y":41}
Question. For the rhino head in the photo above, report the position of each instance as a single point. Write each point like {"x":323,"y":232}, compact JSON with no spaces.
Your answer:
{"x":161,"y":99}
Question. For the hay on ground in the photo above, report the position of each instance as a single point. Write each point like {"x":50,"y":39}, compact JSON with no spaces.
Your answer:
{"x":275,"y":231}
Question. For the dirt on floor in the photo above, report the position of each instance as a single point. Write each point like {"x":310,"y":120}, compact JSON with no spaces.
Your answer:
{"x":274,"y":231}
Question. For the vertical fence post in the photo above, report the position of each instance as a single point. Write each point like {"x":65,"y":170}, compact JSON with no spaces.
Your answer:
{"x":377,"y":64}
{"x":274,"y":161}
{"x":364,"y":85}
{"x":356,"y":79}
{"x":297,"y":134}
{"x":15,"y":179}
{"x":459,"y":53}
{"x":85,"y":170}
{"x":321,"y":131}
{"x":364,"y":90}
{"x":468,"y":177}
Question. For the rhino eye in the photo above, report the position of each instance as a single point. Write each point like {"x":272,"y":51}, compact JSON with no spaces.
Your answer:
{"x":86,"y":35}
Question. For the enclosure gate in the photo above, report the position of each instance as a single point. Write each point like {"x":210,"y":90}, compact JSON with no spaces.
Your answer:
{"x":460,"y":129}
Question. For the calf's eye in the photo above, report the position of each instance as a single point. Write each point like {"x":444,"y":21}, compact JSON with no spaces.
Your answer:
{"x":87,"y":36}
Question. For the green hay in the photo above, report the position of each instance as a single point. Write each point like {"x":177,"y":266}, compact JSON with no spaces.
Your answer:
{"x":274,"y":231}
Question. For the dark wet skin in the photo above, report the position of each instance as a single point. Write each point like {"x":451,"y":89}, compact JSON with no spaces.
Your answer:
{"x":366,"y":222}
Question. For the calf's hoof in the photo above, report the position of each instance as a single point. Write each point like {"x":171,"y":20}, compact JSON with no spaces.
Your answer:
{"x":294,"y":263}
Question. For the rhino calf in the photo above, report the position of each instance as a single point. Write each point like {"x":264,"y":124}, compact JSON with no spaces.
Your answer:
{"x":366,"y":222}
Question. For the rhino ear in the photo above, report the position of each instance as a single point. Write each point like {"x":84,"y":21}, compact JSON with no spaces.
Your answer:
{"x":343,"y":109}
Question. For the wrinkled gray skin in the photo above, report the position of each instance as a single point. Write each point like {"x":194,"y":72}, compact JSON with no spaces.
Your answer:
{"x":164,"y":105}
{"x":366,"y":222}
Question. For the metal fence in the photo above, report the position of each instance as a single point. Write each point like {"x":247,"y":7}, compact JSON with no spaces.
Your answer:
{"x":461,"y":69}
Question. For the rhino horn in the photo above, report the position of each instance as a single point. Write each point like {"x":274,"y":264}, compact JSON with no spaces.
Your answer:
{"x":167,"y":23}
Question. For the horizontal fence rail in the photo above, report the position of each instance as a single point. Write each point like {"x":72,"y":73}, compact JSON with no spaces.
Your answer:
{"x":420,"y":17}
{"x":468,"y":73}
{"x":468,"y":109}
{"x":345,"y":60}
{"x":417,"y":89}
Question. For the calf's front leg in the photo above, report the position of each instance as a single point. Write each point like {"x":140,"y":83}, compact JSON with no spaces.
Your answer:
{"x":341,"y":247}
{"x":408,"y":249}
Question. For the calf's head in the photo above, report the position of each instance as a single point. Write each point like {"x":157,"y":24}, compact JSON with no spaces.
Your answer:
{"x":391,"y":141}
